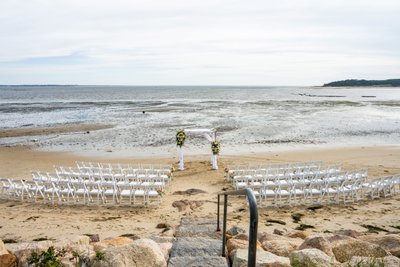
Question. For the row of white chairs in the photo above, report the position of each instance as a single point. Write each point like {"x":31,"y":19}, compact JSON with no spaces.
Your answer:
{"x":65,"y":192}
{"x":122,"y":167}
{"x":287,"y":174}
{"x":383,"y":186}
{"x":346,"y":188}
{"x":158,"y":182}
{"x":234,"y":170}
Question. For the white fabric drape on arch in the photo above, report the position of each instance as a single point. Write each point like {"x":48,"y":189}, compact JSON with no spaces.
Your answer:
{"x":210,"y":135}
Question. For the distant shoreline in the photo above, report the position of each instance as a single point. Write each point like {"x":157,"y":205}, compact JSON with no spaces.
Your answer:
{"x":364,"y":83}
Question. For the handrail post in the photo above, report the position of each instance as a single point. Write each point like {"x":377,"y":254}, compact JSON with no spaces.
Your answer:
{"x":224,"y":224}
{"x":218,"y":208}
{"x":253,"y":225}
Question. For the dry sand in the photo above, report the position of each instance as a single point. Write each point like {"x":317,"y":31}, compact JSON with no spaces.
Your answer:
{"x":27,"y":221}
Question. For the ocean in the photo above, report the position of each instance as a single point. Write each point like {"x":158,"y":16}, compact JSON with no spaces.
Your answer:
{"x":255,"y":119}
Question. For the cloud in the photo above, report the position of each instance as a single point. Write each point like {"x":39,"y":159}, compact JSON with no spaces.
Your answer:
{"x":302,"y":42}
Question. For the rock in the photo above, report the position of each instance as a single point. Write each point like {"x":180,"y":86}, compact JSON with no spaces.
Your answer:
{"x":8,"y":260}
{"x":282,"y":247}
{"x":235,"y":231}
{"x":296,"y":217}
{"x":163,"y":225}
{"x":318,"y":242}
{"x":344,"y":250}
{"x":311,"y":257}
{"x":391,"y":261}
{"x":299,"y":234}
{"x":263,"y":258}
{"x":115,"y":242}
{"x":234,"y":244}
{"x":140,"y":253}
{"x":165,"y":249}
{"x":3,"y":249}
{"x":278,"y":232}
{"x":388,"y":261}
{"x":24,"y":250}
{"x":389,"y":242}
{"x":348,"y":232}
{"x":94,"y":238}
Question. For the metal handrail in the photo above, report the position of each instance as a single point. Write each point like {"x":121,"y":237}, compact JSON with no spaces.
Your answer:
{"x":251,"y":259}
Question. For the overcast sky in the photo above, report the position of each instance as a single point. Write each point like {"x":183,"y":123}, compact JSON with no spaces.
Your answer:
{"x":207,"y":42}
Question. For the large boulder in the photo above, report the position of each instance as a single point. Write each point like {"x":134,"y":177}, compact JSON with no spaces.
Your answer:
{"x":263,"y":258}
{"x":141,"y":253}
{"x":311,"y":257}
{"x":114,"y":242}
{"x":234,"y":244}
{"x":24,"y":250}
{"x":388,"y":261}
{"x":282,"y":247}
{"x":279,"y":245}
{"x":344,"y":250}
{"x":3,"y":249}
{"x":8,"y":260}
{"x":389,"y":242}
{"x":318,"y":242}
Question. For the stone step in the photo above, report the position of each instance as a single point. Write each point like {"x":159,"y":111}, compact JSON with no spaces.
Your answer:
{"x":197,"y":244}
{"x":194,"y":227}
{"x":199,"y":261}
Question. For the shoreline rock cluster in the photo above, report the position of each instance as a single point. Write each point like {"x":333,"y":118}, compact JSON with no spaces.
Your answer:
{"x":302,"y":248}
{"x":298,"y":248}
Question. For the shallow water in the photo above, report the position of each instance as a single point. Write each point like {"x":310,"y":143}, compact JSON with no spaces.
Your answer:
{"x":257,"y":117}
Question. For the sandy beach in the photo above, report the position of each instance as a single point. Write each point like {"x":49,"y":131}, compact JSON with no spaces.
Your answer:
{"x":27,"y":221}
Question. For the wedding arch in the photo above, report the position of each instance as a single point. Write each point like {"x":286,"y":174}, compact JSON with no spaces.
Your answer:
{"x":209,"y":134}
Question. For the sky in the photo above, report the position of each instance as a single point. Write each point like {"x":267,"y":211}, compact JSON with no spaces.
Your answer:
{"x":207,"y":42}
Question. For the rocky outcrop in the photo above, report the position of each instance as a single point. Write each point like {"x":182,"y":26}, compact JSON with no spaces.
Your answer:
{"x":141,"y":253}
{"x":279,"y":245}
{"x":389,"y":242}
{"x":311,"y":257}
{"x":263,"y":258}
{"x":388,"y":261}
{"x":344,"y":250}
{"x":22,"y":251}
{"x":318,"y":242}
{"x":8,"y":260}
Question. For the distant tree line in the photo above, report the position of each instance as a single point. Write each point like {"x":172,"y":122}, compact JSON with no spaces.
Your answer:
{"x":353,"y":82}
